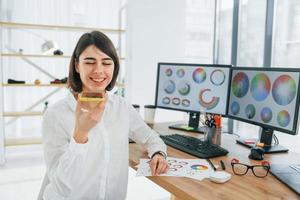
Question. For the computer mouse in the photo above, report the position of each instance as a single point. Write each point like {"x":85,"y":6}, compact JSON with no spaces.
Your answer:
{"x":220,"y":177}
{"x":256,"y":153}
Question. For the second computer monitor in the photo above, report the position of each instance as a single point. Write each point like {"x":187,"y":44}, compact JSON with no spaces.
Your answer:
{"x":193,"y":87}
{"x":267,"y":97}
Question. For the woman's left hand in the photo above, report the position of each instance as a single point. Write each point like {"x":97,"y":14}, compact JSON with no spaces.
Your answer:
{"x":158,"y":165}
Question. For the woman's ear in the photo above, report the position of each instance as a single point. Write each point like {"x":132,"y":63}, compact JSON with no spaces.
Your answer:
{"x":76,"y":66}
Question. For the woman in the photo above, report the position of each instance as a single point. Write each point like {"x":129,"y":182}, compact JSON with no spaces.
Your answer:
{"x":86,"y":144}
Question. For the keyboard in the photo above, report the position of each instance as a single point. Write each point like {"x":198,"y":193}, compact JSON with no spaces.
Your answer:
{"x":194,"y":146}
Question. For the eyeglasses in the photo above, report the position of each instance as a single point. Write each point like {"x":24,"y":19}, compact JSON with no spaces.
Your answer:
{"x":259,"y":171}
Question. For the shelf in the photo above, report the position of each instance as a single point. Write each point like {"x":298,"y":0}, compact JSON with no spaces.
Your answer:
{"x":22,"y":141}
{"x":18,"y":114}
{"x":54,"y":27}
{"x":33,"y":85}
{"x":37,"y":55}
{"x":46,"y":85}
{"x":33,"y":55}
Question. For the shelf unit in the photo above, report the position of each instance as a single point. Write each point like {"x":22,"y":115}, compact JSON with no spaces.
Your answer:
{"x":37,"y":56}
{"x":26,"y":57}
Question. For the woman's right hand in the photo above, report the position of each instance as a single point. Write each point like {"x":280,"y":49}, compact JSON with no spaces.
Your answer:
{"x":87,"y":118}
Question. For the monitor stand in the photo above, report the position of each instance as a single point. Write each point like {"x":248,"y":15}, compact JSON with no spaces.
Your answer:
{"x":193,"y":125}
{"x":266,"y":138}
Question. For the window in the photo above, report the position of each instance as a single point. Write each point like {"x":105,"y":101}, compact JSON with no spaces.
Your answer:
{"x":251,"y":32}
{"x":286,"y":45}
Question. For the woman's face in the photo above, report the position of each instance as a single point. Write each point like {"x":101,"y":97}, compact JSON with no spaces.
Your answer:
{"x":95,"y":68}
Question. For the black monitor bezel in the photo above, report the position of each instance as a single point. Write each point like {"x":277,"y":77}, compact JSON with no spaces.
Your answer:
{"x":191,"y":65}
{"x":274,"y":69}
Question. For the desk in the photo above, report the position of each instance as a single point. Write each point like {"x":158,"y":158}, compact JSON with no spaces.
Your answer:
{"x":239,"y":187}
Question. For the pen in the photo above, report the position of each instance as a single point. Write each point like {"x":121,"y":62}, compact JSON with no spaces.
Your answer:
{"x":222,"y":165}
{"x":211,"y":164}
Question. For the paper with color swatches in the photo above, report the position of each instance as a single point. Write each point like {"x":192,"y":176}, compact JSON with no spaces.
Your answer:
{"x":191,"y":168}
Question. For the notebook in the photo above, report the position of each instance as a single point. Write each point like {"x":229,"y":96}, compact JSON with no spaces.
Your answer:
{"x":288,"y":174}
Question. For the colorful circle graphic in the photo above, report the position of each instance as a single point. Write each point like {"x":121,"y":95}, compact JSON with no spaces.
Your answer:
{"x":180,"y":73}
{"x":284,"y":90}
{"x":217,"y":77}
{"x":283,"y":118}
{"x":240,"y":84}
{"x":250,"y":111}
{"x":169,"y":86}
{"x":208,"y":104}
{"x":166,"y":100}
{"x":186,"y":102}
{"x":266,"y":114}
{"x":260,"y":87}
{"x":176,"y":101}
{"x":235,"y":108}
{"x":199,"y":75}
{"x":184,"y":88}
{"x":199,"y":167}
{"x":169,"y":72}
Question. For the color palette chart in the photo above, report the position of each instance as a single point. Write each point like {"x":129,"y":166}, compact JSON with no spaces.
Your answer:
{"x":267,"y":97}
{"x":193,"y":87}
{"x":191,"y":168}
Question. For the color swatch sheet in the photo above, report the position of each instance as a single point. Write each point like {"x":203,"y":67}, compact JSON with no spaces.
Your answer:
{"x":190,"y":168}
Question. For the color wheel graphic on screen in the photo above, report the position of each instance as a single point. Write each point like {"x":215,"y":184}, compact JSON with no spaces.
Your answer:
{"x":208,"y":104}
{"x":217,"y":77}
{"x":184,"y":88}
{"x":284,"y":90}
{"x":266,"y":114}
{"x":168,"y":72}
{"x":180,"y":73}
{"x":199,"y":167}
{"x":283,"y":118}
{"x":169,"y":86}
{"x":235,"y":108}
{"x":250,"y":111}
{"x":240,"y":84}
{"x":199,"y":75}
{"x":260,"y":87}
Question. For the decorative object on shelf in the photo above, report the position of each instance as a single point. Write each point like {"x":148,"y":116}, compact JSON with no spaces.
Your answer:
{"x":64,"y":80}
{"x":58,"y":52}
{"x":37,"y":82}
{"x":55,"y":81}
{"x":13,"y":81}
{"x":49,"y":47}
{"x":59,"y":81}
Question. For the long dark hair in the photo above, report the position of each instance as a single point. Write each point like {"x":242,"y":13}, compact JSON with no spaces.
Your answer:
{"x":103,"y":43}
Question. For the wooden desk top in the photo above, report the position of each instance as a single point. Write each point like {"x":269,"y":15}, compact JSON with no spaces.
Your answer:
{"x":239,"y":187}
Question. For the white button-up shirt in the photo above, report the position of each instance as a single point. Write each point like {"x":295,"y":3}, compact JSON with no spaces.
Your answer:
{"x":97,"y":169}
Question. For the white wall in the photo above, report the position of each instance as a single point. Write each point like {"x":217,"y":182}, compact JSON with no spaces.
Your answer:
{"x":2,"y":159}
{"x":155,"y":33}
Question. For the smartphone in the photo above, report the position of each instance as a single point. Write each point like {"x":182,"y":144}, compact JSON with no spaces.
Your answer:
{"x":91,"y":96}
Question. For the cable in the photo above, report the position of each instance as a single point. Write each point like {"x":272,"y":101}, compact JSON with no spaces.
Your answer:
{"x":276,"y":139}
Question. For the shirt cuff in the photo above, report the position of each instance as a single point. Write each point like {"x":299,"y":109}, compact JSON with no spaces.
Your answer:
{"x":78,"y":148}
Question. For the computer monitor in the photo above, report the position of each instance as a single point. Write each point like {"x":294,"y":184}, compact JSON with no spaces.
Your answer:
{"x":266,"y":97}
{"x":192,"y":88}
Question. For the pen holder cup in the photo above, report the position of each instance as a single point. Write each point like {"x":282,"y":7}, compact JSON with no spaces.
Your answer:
{"x":213,"y":135}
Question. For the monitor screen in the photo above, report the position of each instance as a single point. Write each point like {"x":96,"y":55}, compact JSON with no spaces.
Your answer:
{"x":268,"y":97}
{"x":193,"y":87}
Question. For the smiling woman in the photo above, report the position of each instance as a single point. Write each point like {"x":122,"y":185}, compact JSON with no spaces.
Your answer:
{"x":93,"y":51}
{"x":86,"y":142}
